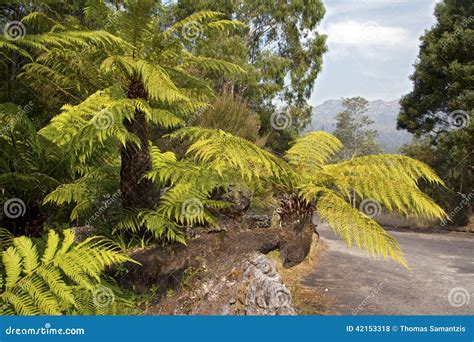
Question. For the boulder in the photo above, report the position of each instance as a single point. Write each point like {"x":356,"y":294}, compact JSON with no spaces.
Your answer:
{"x":252,"y":286}
{"x":265,"y":293}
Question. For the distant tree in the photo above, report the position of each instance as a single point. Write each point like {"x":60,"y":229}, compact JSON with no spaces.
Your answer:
{"x":439,"y":109}
{"x":352,"y":129}
{"x":448,"y":157}
{"x":442,"y":81}
{"x":281,"y":51}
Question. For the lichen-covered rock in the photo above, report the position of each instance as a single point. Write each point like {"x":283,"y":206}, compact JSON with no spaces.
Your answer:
{"x":265,"y":293}
{"x":258,"y":221}
{"x":252,"y":286}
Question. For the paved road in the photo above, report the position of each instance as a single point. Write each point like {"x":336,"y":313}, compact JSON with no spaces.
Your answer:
{"x":440,"y":264}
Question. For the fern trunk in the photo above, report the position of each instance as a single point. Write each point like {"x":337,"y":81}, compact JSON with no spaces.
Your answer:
{"x":165,"y":266}
{"x":137,"y":192}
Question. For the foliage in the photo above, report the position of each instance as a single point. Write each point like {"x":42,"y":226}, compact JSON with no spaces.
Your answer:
{"x":231,"y":115}
{"x":119,"y":85}
{"x":281,"y":52}
{"x":391,"y":180}
{"x":63,"y":280}
{"x":30,"y":167}
{"x":352,"y":129}
{"x":451,"y":157}
{"x":443,"y":71}
{"x":440,"y":106}
{"x":145,"y":77}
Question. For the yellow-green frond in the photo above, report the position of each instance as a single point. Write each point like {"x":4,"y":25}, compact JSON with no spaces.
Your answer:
{"x":391,"y":180}
{"x":356,"y":228}
{"x":49,"y":285}
{"x":313,"y":150}
{"x":223,"y":151}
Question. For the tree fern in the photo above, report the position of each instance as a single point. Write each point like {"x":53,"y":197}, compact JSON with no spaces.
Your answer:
{"x":51,"y":284}
{"x":391,"y":180}
{"x":148,"y":78}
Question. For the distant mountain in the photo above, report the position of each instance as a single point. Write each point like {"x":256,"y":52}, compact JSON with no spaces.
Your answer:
{"x":383,"y":113}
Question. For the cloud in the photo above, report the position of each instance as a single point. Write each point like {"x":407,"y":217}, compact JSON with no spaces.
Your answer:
{"x":366,"y":34}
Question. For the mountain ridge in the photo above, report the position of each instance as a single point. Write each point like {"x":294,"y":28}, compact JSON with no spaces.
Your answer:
{"x":384,"y":113}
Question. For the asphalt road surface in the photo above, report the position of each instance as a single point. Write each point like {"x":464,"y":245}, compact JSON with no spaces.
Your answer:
{"x":440,"y":282}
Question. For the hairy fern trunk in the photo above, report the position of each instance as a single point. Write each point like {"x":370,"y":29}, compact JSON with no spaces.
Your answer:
{"x":137,"y":192}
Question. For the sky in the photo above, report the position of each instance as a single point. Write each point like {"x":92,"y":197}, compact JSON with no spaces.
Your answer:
{"x":372,"y":47}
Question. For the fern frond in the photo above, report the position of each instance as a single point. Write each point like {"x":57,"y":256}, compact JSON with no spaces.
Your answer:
{"x":6,"y":239}
{"x":391,"y":180}
{"x":155,"y":79}
{"x":354,"y":227}
{"x":12,"y":262}
{"x":313,"y":150}
{"x":198,"y":17}
{"x":28,"y":253}
{"x":222,"y":151}
{"x":49,"y":286}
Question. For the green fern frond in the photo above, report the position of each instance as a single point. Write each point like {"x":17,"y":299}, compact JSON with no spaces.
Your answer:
{"x":354,"y":227}
{"x":212,"y":64}
{"x":155,"y":79}
{"x":9,"y":46}
{"x":136,"y":220}
{"x":28,"y":253}
{"x":313,"y":150}
{"x":197,"y":17}
{"x":6,"y":239}
{"x":222,"y":151}
{"x":391,"y":180}
{"x":49,"y":285}
{"x":41,"y":21}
